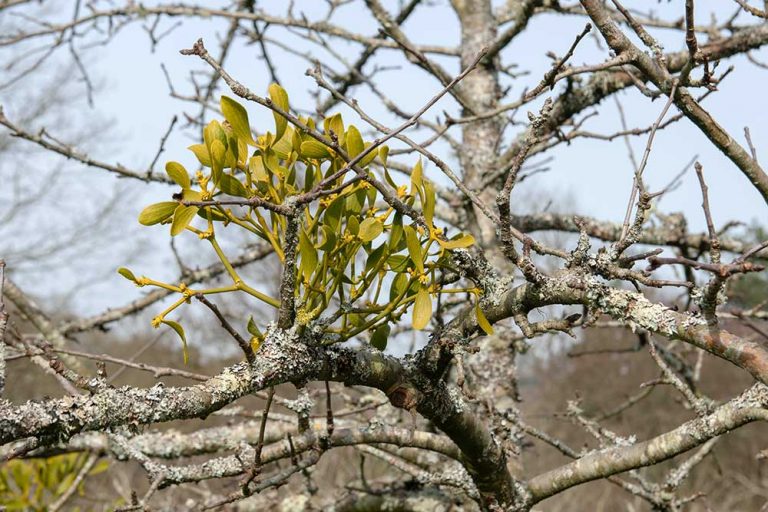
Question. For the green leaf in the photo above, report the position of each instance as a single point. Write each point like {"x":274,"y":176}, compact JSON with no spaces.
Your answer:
{"x":399,"y":285}
{"x":329,"y":239}
{"x":414,"y":247}
{"x":178,"y":173}
{"x":335,"y":124}
{"x":272,"y":163}
{"x":422,"y":309}
{"x":213,"y":132}
{"x":308,"y":255}
{"x":332,"y":216}
{"x":389,"y":179}
{"x":483,"y":322}
{"x":356,"y":319}
{"x":383,"y":154}
{"x":310,"y":176}
{"x":380,"y":336}
{"x":258,"y":172}
{"x":284,"y":146}
{"x":356,"y":202}
{"x":371,"y":194}
{"x":253,"y":329}
{"x":191,"y":195}
{"x":182,"y":217}
{"x":65,"y":483}
{"x":232,"y":186}
{"x":370,"y":228}
{"x":101,"y":467}
{"x":367,"y":159}
{"x":234,"y":152}
{"x":375,"y":257}
{"x":398,"y":262}
{"x":158,"y":212}
{"x":216,"y":216}
{"x":429,"y":202}
{"x":353,"y":225}
{"x":417,"y":177}
{"x":218,"y":154}
{"x":237,"y":117}
{"x":462,"y":242}
{"x":180,"y":331}
{"x":314,"y":149}
{"x":355,"y":144}
{"x":201,"y":152}
{"x":396,"y":232}
{"x":126,"y":274}
{"x":280,"y":99}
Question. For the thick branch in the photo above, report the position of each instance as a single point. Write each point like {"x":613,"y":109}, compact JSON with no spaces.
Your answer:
{"x":748,"y":407}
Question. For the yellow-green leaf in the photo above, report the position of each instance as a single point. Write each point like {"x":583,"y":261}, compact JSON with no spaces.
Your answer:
{"x":126,"y":274}
{"x":182,"y":217}
{"x":417,"y":176}
{"x":201,"y":152}
{"x":370,"y":228}
{"x":215,"y":215}
{"x":422,"y":309}
{"x":332,"y":216}
{"x":414,"y":247}
{"x":329,"y":239}
{"x":399,"y":286}
{"x":178,"y":173}
{"x":429,"y":202}
{"x":483,"y":322}
{"x":368,"y":158}
{"x":314,"y":149}
{"x":335,"y":124}
{"x":214,"y":131}
{"x":308,"y":255}
{"x":375,"y":258}
{"x":101,"y":467}
{"x":458,"y":243}
{"x":258,"y":171}
{"x":253,"y":329}
{"x":180,"y":331}
{"x":280,"y":99}
{"x":242,"y":150}
{"x":237,"y":117}
{"x":398,"y":263}
{"x":396,"y":232}
{"x":218,"y":154}
{"x":353,"y":225}
{"x":232,"y":186}
{"x":380,"y":336}
{"x":284,"y":146}
{"x":158,"y":212}
{"x":355,"y":144}
{"x":383,"y":154}
{"x":191,"y":195}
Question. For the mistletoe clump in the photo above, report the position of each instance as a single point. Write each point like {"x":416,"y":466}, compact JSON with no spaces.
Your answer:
{"x":324,"y":200}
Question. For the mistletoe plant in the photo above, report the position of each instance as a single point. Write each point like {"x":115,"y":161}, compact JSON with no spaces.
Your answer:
{"x":358,"y":264}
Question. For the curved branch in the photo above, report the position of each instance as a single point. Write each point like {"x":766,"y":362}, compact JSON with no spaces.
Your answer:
{"x":749,"y":406}
{"x":283,"y":357}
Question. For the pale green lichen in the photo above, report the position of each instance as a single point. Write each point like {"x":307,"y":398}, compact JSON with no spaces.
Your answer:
{"x":456,"y":400}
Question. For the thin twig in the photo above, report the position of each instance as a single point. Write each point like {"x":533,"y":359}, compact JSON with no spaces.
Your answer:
{"x":89,"y":463}
{"x":160,"y":149}
{"x":646,"y":154}
{"x":246,"y":347}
